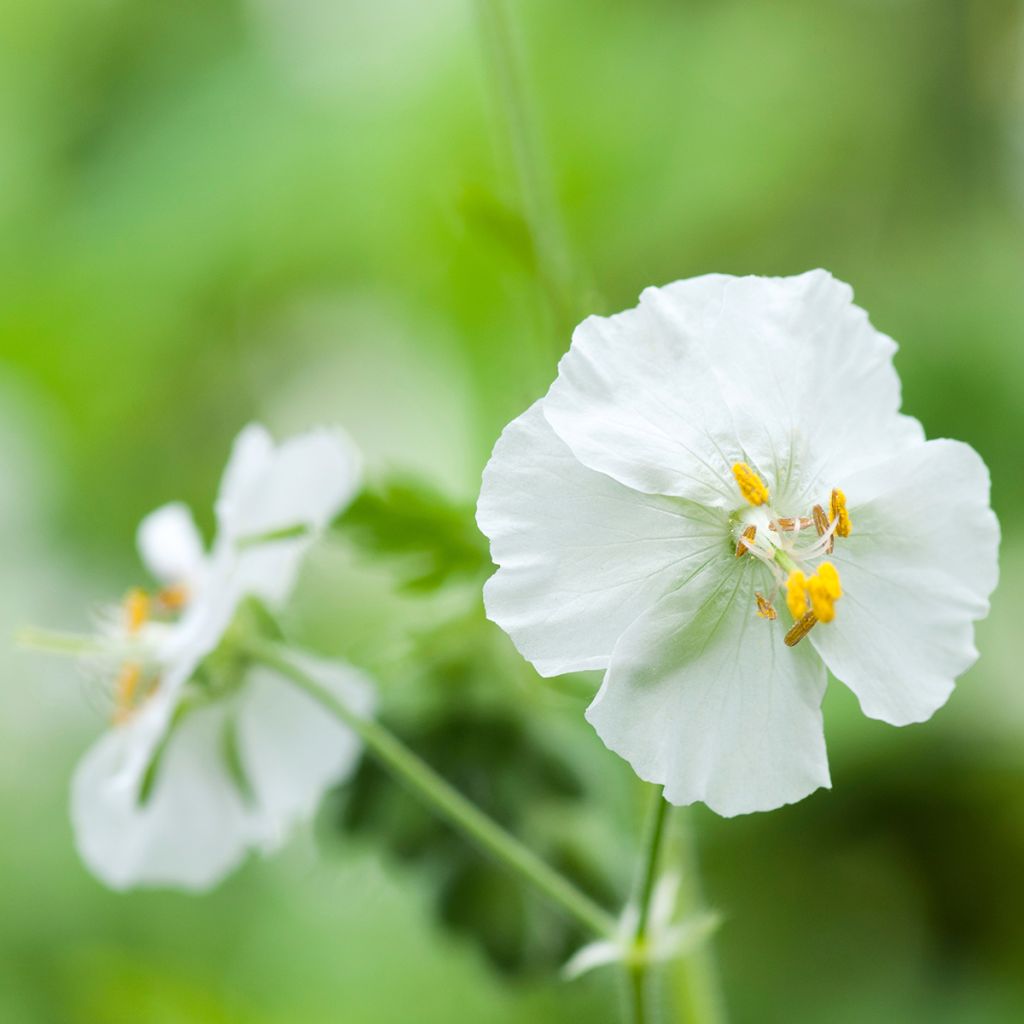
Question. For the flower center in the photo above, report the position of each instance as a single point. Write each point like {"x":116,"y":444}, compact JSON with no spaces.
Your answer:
{"x":793,"y":549}
{"x":135,"y":682}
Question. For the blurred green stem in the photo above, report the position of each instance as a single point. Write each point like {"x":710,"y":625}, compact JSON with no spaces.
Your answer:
{"x":643,"y":898}
{"x":539,"y":209}
{"x":443,"y":798}
{"x":696,"y":989}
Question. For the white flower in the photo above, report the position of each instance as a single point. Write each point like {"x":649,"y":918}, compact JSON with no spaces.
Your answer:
{"x":712,"y":474}
{"x":183,"y":783}
{"x":237,"y":773}
{"x":663,"y":941}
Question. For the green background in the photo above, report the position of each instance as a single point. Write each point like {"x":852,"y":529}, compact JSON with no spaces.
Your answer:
{"x":309,"y":211}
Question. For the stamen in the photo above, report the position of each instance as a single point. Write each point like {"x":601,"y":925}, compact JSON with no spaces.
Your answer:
{"x":800,"y":629}
{"x":840,"y":514}
{"x":790,"y":524}
{"x":764,"y":607}
{"x":173,"y":598}
{"x":829,"y":575}
{"x":821,"y":523}
{"x":136,"y":609}
{"x":125,"y":691}
{"x":746,"y":541}
{"x":824,"y":590}
{"x":751,"y":486}
{"x":796,"y":594}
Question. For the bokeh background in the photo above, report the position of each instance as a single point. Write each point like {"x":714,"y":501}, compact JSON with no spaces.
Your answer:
{"x":389,"y":214}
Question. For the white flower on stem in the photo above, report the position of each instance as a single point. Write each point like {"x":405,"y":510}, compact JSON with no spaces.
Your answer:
{"x":717,"y":499}
{"x":663,"y":940}
{"x":189,"y":777}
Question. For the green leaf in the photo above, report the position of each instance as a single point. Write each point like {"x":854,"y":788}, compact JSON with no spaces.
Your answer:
{"x":430,"y":538}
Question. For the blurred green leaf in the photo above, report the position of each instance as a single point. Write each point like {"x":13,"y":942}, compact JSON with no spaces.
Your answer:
{"x":429,"y":539}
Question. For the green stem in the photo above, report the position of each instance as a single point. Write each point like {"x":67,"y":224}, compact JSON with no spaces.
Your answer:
{"x":697,"y":989}
{"x":51,"y":641}
{"x":443,"y":798}
{"x":647,"y":878}
{"x":648,"y":875}
{"x":536,"y":193}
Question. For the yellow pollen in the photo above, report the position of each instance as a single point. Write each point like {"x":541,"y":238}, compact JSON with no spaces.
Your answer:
{"x":751,"y":486}
{"x":173,"y":598}
{"x":839,"y":512}
{"x":796,"y":594}
{"x":136,"y":609}
{"x":748,"y":535}
{"x":764,"y":607}
{"x":824,"y":590}
{"x":126,"y":688}
{"x":828,"y":574}
{"x":801,"y":628}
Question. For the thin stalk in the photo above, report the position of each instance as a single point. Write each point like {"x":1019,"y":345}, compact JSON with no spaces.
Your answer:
{"x":50,"y":641}
{"x":697,"y":989}
{"x":539,"y":209}
{"x":446,"y":801}
{"x":646,"y":880}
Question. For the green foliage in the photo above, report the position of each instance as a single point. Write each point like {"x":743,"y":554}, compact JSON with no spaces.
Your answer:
{"x":429,"y":539}
{"x":181,"y":184}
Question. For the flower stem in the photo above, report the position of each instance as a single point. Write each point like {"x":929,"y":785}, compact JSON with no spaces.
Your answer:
{"x":50,"y":641}
{"x":643,"y":896}
{"x":697,"y":992}
{"x":443,"y":798}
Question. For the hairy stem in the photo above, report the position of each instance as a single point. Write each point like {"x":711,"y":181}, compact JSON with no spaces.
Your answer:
{"x":446,"y":801}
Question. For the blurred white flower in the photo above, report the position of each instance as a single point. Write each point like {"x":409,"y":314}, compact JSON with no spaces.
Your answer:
{"x":237,"y":773}
{"x":179,"y":788}
{"x":663,"y":939}
{"x":728,"y":453}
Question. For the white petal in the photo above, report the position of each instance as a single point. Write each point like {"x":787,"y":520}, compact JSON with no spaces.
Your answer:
{"x":170,"y":545}
{"x":251,"y":455}
{"x":784,"y":373}
{"x":291,"y":748}
{"x":637,"y":398}
{"x":303,"y":481}
{"x":192,"y":830}
{"x":593,"y":955}
{"x":809,"y":380}
{"x":704,"y":697}
{"x":916,"y":573}
{"x":580,"y":555}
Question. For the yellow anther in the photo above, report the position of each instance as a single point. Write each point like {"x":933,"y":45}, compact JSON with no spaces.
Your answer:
{"x":751,"y":486}
{"x":748,"y":536}
{"x":796,"y":594}
{"x":173,"y":598}
{"x":800,"y":629}
{"x":789,"y":524}
{"x":825,"y":590}
{"x":830,"y":577}
{"x":126,"y":689}
{"x":764,"y":607}
{"x":136,"y":609}
{"x":839,"y":512}
{"x":821,"y":524}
